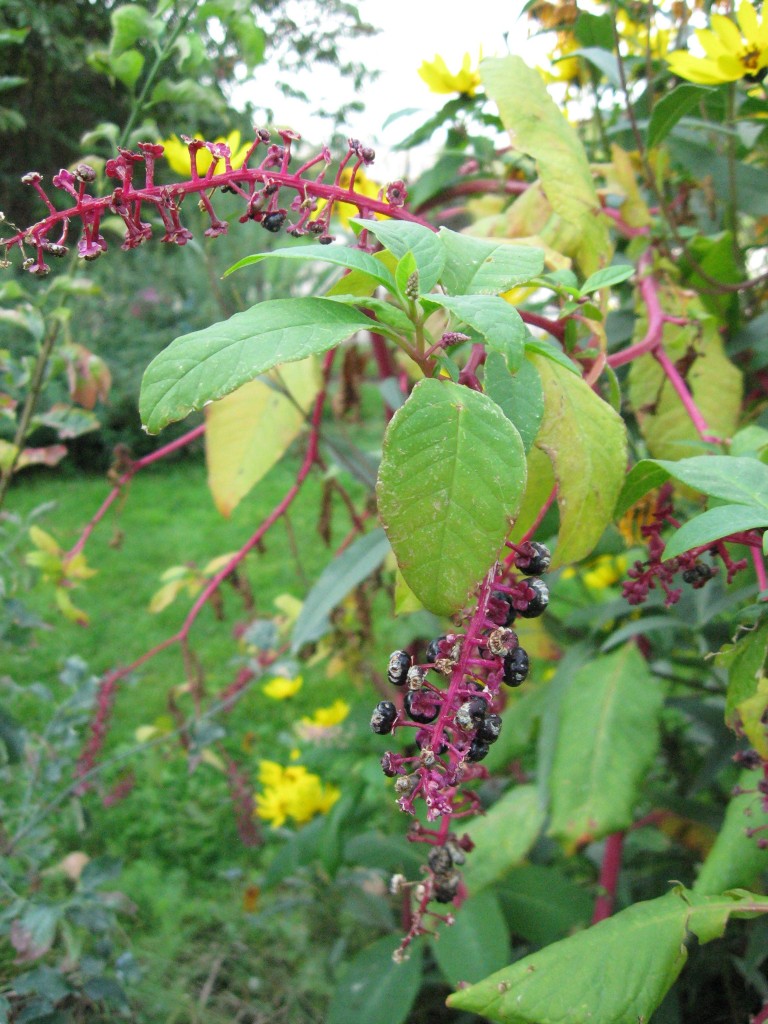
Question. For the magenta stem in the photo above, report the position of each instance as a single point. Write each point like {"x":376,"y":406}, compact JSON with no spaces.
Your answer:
{"x":609,"y":876}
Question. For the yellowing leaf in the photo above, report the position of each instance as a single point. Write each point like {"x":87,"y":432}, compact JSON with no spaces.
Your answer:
{"x":538,"y":127}
{"x":68,"y":609}
{"x":248,"y":431}
{"x":585,"y":439}
{"x":44,"y":541}
{"x":166,"y":595}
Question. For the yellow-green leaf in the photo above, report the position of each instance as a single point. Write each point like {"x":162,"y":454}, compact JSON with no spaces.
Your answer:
{"x":585,"y":440}
{"x":247,"y":432}
{"x":537,"y":126}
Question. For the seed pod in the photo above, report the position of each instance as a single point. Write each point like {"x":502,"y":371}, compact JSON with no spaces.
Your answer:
{"x":397,"y":670}
{"x":415,"y":678}
{"x":502,"y":641}
{"x":384,"y":715}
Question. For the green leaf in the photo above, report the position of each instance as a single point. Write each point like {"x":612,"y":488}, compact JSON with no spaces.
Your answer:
{"x":503,"y":836}
{"x":476,"y":943}
{"x":585,"y":439}
{"x":736,"y":860}
{"x":496,"y":320}
{"x":131,"y":23}
{"x":669,"y":109}
{"x":746,"y":663}
{"x":607,"y":277}
{"x":340,"y":577}
{"x":714,"y":524}
{"x":603,"y":61}
{"x":451,"y":478}
{"x":607,"y":739}
{"x":401,"y":237}
{"x":385,"y":312}
{"x":374,"y":989}
{"x":538,"y":127}
{"x":208,"y":364}
{"x":340,"y":255}
{"x":486,"y":266}
{"x":127,"y":67}
{"x":540,"y":347}
{"x":616,"y":972}
{"x":542,"y":904}
{"x":741,"y":480}
{"x":520,"y":396}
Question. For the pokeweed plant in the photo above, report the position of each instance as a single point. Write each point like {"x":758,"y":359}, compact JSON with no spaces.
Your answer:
{"x":506,"y":427}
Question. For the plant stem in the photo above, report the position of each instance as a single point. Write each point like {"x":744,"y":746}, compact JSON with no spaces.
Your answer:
{"x":609,"y":876}
{"x":30,"y":403}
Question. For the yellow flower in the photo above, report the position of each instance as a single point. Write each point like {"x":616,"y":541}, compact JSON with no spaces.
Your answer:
{"x":281,"y":688}
{"x":638,"y":40}
{"x":565,"y":69}
{"x":731,"y":52}
{"x":605,"y":571}
{"x":439,"y":79}
{"x":326,"y":718}
{"x":177,"y":153}
{"x":292,"y":792}
{"x":364,"y":186}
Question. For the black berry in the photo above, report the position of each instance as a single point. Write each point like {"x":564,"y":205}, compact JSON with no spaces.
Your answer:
{"x":478,"y":750}
{"x":533,"y":559}
{"x":500,"y":608}
{"x":440,"y":860}
{"x":397,"y":670}
{"x":516,"y":667}
{"x":421,"y":706}
{"x":698,"y":575}
{"x":445,"y":887}
{"x":274,"y":221}
{"x":384,"y":714}
{"x":538,"y":603}
{"x":489,"y":729}
{"x":471,"y":713}
{"x":433,"y":650}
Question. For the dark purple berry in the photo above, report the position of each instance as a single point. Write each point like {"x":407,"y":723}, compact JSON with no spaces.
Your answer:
{"x":748,"y":759}
{"x":516,"y":667}
{"x":478,"y":750}
{"x":386,"y":765}
{"x":471,"y":713}
{"x":397,"y":670}
{"x":538,"y":602}
{"x":500,"y":608}
{"x":445,"y":887}
{"x":422,"y":706}
{"x":274,"y":221}
{"x":440,"y":860}
{"x":533,"y":559}
{"x":433,"y":650}
{"x":698,"y":575}
{"x":489,"y":729}
{"x":384,"y":714}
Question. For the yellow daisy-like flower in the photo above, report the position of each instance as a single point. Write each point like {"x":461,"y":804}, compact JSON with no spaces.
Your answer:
{"x":639,"y":42}
{"x":292,"y":792}
{"x":732,"y":51}
{"x":326,"y":718}
{"x":439,"y":79}
{"x":281,"y":688}
{"x":605,"y":571}
{"x":177,"y":153}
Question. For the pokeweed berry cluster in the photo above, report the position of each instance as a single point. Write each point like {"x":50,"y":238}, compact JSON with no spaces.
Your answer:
{"x":260,"y":186}
{"x":451,"y":700}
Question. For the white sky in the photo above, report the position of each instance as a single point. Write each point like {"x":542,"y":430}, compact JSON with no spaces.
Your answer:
{"x":411,"y":31}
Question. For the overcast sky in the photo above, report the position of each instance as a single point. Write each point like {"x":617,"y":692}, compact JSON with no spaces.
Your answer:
{"x":411,"y":31}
